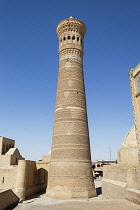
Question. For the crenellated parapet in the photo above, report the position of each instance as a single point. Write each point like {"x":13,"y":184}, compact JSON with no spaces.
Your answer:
{"x":70,"y":26}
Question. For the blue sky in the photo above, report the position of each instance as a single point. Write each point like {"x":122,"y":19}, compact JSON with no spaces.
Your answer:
{"x":29,"y":70}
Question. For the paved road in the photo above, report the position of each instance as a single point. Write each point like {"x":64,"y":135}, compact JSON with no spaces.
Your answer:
{"x":44,"y":203}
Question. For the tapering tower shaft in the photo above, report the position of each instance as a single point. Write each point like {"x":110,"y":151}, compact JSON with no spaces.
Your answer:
{"x":70,"y":173}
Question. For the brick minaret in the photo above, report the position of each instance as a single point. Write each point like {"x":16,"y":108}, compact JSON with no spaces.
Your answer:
{"x":70,"y":173}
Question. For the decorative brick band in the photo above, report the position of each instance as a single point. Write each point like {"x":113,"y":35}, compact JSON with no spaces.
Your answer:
{"x":70,"y":56}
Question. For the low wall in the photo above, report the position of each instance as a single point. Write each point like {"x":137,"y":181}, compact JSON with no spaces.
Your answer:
{"x":121,"y":182}
{"x":7,"y":198}
{"x":115,"y":172}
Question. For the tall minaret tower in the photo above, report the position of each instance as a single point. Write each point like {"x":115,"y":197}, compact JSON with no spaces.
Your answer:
{"x":70,"y":173}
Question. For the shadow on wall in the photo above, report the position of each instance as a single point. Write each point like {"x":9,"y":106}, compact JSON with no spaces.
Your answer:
{"x":37,"y":181}
{"x":36,"y":195}
{"x":12,"y":206}
{"x":43,"y":176}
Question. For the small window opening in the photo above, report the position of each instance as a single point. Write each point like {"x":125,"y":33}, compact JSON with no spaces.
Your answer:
{"x":68,"y":37}
{"x":77,"y":39}
{"x":93,"y":166}
{"x":98,"y":165}
{"x":2,"y":180}
{"x":73,"y":38}
{"x":81,"y":41}
{"x":77,"y":92}
{"x":64,"y":38}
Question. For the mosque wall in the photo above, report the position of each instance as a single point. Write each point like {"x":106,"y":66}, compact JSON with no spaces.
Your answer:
{"x":123,"y":180}
{"x":128,"y":153}
{"x":134,"y":76}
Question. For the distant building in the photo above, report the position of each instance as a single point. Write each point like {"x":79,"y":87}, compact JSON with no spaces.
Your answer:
{"x":8,"y":154}
{"x":98,"y":166}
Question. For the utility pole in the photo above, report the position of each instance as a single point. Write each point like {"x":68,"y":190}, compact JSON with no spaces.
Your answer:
{"x":110,"y":152}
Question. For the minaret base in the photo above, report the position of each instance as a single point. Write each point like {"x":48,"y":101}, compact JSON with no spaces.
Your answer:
{"x":62,"y":192}
{"x":71,"y":180}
